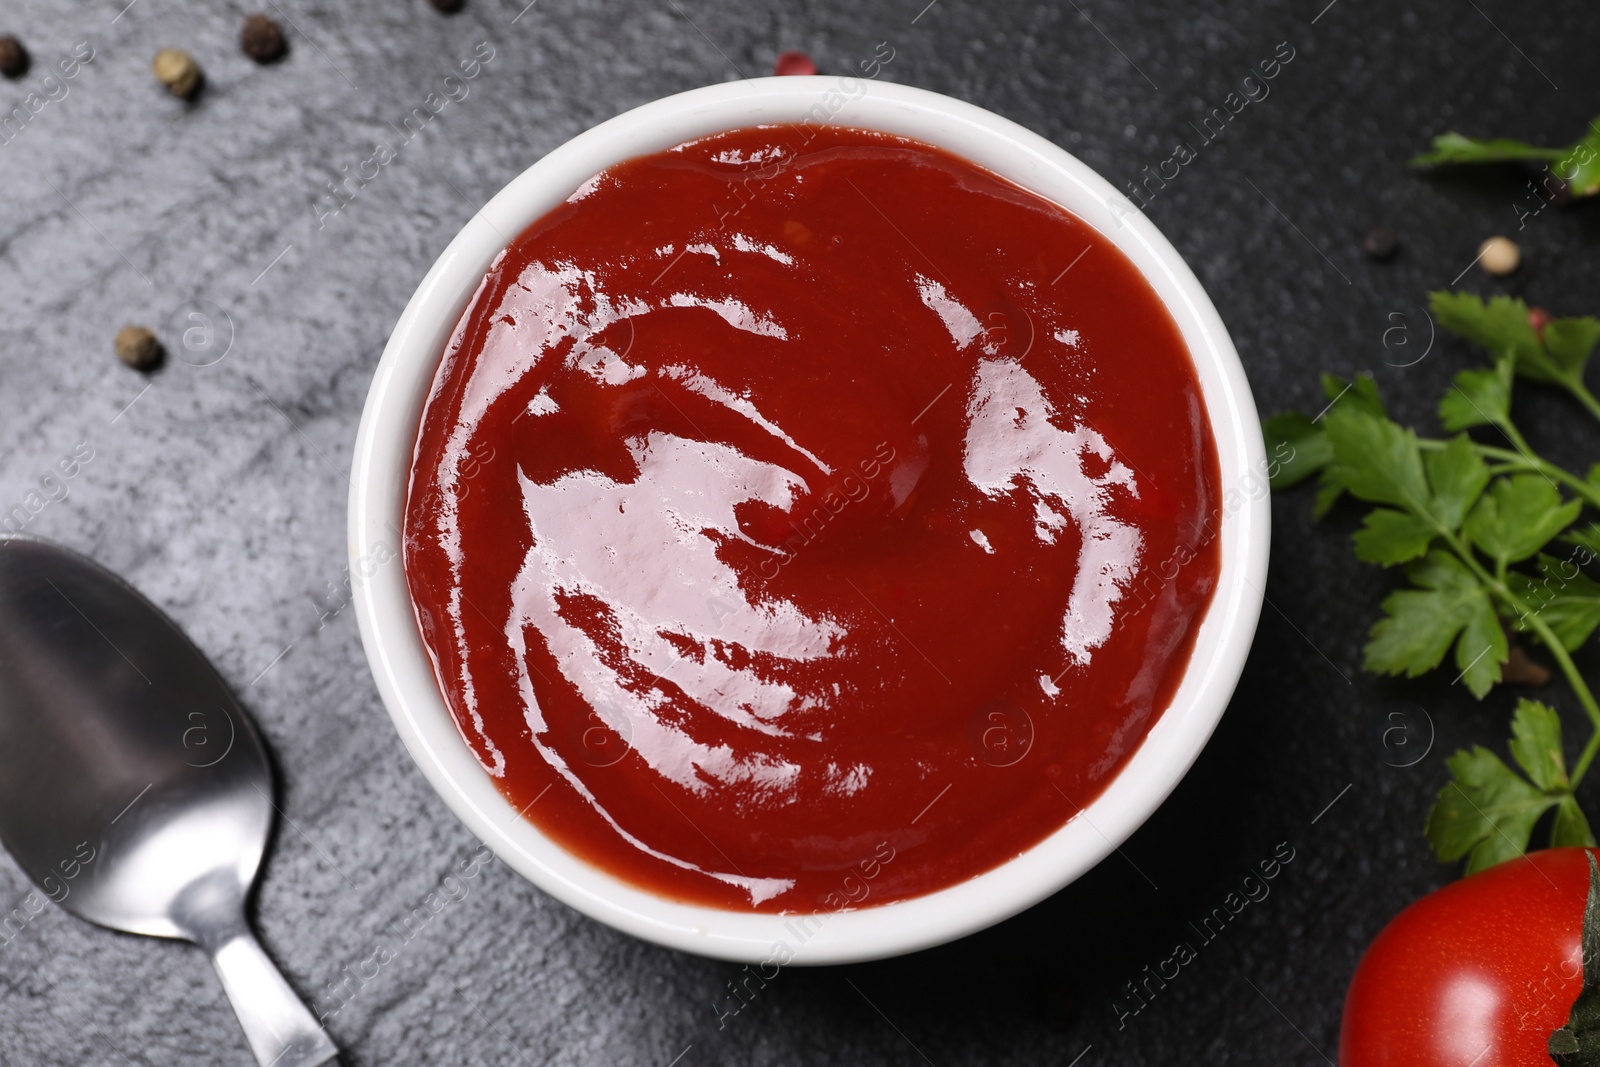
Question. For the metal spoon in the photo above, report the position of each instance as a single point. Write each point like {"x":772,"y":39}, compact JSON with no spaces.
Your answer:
{"x":133,"y":789}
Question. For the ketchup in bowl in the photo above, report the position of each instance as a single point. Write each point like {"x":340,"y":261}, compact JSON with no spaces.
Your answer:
{"x":801,"y":509}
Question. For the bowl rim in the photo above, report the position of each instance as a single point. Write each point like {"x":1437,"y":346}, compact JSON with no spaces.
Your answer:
{"x":402,"y":666}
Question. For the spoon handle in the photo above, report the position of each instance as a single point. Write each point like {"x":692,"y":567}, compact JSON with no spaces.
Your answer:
{"x":282,"y":1032}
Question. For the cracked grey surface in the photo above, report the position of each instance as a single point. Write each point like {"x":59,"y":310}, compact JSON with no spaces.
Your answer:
{"x":220,"y":491}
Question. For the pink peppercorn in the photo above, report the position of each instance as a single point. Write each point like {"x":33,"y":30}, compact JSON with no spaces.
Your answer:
{"x":794,"y":63}
{"x":1539,"y":318}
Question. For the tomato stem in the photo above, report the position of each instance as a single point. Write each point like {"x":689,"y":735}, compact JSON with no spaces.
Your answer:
{"x":1577,"y":1044}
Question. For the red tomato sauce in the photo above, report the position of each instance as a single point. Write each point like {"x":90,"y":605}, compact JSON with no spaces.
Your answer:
{"x":796,"y":502}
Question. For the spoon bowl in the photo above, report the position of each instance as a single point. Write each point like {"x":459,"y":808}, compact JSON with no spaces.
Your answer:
{"x":134,"y":790}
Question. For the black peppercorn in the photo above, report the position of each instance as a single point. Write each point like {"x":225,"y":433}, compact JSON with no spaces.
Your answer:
{"x":1380,"y":243}
{"x":13,"y":57}
{"x":262,"y":39}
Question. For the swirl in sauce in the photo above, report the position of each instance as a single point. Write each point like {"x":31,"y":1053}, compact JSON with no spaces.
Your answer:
{"x":782,"y":505}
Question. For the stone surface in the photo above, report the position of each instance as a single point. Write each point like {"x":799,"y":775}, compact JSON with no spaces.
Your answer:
{"x":220,"y":490}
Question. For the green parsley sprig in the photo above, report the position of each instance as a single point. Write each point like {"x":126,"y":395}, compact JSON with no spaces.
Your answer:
{"x":1489,"y":545}
{"x":1577,"y":164}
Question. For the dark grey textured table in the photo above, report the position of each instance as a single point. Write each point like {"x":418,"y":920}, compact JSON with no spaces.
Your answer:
{"x":220,"y":491}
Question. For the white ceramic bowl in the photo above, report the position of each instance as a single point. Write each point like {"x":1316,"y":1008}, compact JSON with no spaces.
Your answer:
{"x":383,"y":461}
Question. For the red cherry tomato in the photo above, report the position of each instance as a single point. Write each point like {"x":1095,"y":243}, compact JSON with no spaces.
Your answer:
{"x":1477,"y":974}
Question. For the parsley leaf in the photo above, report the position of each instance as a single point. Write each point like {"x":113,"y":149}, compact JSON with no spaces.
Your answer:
{"x":1328,"y":493}
{"x":1375,"y":459}
{"x":1419,"y":625}
{"x":1457,"y":529}
{"x":1310,"y":451}
{"x":1571,"y":826}
{"x":1587,"y":537}
{"x":1297,"y":446}
{"x":1457,"y":477}
{"x":1380,"y":461}
{"x":1570,"y":342}
{"x":1487,"y":812}
{"x":1388,"y":537}
{"x":1478,"y":398}
{"x":1456,"y":148}
{"x":1519,"y":516}
{"x":1578,"y":164}
{"x":1360,"y":392}
{"x":1499,"y":325}
{"x":1567,"y":603}
{"x":1536,"y":744}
